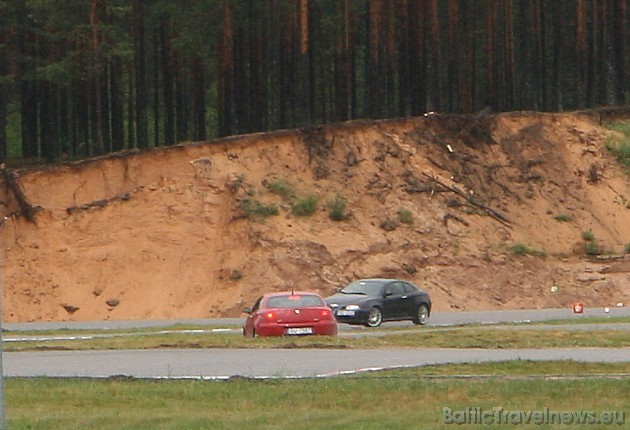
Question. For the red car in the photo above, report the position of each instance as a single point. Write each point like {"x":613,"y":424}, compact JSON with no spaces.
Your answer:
{"x":289,"y":313}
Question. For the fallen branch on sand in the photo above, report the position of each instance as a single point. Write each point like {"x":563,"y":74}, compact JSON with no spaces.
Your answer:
{"x":491,"y":212}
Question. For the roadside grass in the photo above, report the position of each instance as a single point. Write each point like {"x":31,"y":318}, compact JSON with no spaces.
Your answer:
{"x":465,"y":336}
{"x":403,"y":399}
{"x":619,"y":145}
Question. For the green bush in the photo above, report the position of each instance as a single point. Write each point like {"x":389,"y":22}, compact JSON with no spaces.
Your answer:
{"x":522,"y":249}
{"x":591,"y":248}
{"x":563,"y":217}
{"x":389,"y":224}
{"x":255,"y":209}
{"x":588,"y":236}
{"x":337,"y":208}
{"x":627,"y":248}
{"x":305,"y":206}
{"x":619,"y":146}
{"x":405,"y":216}
{"x":281,"y":188}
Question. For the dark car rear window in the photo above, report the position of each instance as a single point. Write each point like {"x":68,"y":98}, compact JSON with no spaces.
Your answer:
{"x":370,"y":288}
{"x":294,"y":301}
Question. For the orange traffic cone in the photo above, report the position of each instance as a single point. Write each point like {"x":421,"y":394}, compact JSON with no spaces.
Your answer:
{"x":578,"y":308}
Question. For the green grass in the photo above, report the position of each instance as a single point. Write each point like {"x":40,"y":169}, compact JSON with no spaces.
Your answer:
{"x":407,"y":398}
{"x":337,"y":208}
{"x":282,"y":188}
{"x":619,"y":144}
{"x":305,"y":206}
{"x":254,"y":209}
{"x":563,"y":218}
{"x":591,"y":248}
{"x":522,"y":249}
{"x":590,"y":245}
{"x":588,"y":236}
{"x":405,"y":216}
{"x":402,"y":399}
{"x":483,"y":336}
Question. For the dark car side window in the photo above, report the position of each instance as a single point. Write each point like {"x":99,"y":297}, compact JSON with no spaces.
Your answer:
{"x":394,"y":289}
{"x":409,"y":288}
{"x":256,"y":305}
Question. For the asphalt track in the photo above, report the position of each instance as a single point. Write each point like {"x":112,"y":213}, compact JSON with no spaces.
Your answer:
{"x":289,"y":363}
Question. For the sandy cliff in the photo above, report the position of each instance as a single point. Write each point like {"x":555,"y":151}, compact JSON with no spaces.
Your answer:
{"x":494,"y":213}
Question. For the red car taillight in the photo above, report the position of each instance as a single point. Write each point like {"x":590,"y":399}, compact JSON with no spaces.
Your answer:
{"x":325,"y":313}
{"x":270,"y":315}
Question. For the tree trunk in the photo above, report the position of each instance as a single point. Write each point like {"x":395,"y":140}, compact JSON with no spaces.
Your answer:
{"x":4,"y":92}
{"x":142,"y":135}
{"x":418,"y":57}
{"x":619,"y":41}
{"x":98,"y":144}
{"x":373,"y":89}
{"x":225,"y":74}
{"x":181,"y":98}
{"x":199,"y":91}
{"x":509,"y":69}
{"x":168,"y":82}
{"x":157,"y":84}
{"x":491,"y":60}
{"x":455,"y":54}
{"x":28,"y":88}
{"x":344,"y":66}
{"x":434,"y":69}
{"x":581,"y":53}
{"x":47,"y":113}
{"x":117,"y":109}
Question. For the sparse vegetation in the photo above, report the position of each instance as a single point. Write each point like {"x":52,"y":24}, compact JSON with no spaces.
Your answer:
{"x":619,"y":144}
{"x":588,"y":236}
{"x":405,"y":216}
{"x":590,"y":246}
{"x":304,"y":206}
{"x":337,"y":208}
{"x":202,"y":336}
{"x":627,"y":248}
{"x":522,"y":249}
{"x":563,"y":218}
{"x":389,"y":224}
{"x":256,"y":209}
{"x":281,"y":188}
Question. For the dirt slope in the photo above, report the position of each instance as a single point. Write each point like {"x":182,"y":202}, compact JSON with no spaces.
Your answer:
{"x":163,"y":234}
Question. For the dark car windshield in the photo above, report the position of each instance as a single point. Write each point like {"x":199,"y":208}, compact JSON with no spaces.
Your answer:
{"x":369,"y":288}
{"x":294,"y":301}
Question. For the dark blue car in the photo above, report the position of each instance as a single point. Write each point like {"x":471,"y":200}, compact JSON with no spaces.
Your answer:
{"x":372,"y":301}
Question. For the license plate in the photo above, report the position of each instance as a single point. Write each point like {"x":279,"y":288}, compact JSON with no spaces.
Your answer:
{"x":300,"y":330}
{"x":345,"y":313}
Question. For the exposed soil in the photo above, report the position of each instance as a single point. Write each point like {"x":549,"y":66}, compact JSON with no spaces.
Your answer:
{"x":165,"y":234}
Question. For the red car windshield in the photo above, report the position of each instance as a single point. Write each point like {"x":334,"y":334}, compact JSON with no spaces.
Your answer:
{"x":295,"y":301}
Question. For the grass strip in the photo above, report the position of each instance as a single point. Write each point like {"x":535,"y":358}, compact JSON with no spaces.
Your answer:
{"x":403,"y":399}
{"x":489,"y":337}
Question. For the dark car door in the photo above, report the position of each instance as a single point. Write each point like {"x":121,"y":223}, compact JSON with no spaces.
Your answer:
{"x":395,"y":301}
{"x":414,"y":298}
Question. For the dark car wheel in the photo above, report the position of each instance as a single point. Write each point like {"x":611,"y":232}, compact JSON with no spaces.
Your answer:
{"x":375,"y":317}
{"x":422,"y":315}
